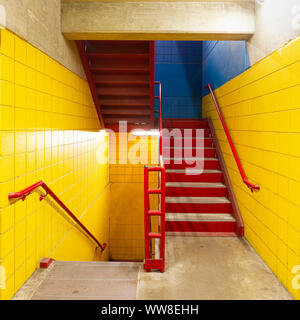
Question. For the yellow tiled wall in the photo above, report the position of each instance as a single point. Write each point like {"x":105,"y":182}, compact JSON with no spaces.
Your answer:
{"x":127,"y":198}
{"x":49,"y":131}
{"x":262,"y":110}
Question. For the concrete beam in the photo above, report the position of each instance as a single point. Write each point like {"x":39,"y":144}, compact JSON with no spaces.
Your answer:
{"x":158,"y":20}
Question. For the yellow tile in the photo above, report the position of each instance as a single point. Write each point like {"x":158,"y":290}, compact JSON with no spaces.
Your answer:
{"x":20,"y":207}
{"x":9,"y":264}
{"x":7,"y":242}
{"x":20,"y":276}
{"x":9,"y":292}
{"x":20,"y":254}
{"x":20,"y":119}
{"x":7,"y":118}
{"x":20,"y":50}
{"x":7,"y":168}
{"x":31,"y":56}
{"x":31,"y":244}
{"x":40,"y":61}
{"x":6,"y":143}
{"x":20,"y":142}
{"x":7,"y":93}
{"x":31,"y":78}
{"x":294,"y":240}
{"x":7,"y":45}
{"x":31,"y":264}
{"x":5,"y":189}
{"x":7,"y":218}
{"x":20,"y":74}
{"x":20,"y":232}
{"x":20,"y":96}
{"x":7,"y":71}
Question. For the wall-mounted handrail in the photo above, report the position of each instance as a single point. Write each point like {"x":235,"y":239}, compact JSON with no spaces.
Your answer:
{"x":238,"y":162}
{"x":26,"y":192}
{"x":151,"y":263}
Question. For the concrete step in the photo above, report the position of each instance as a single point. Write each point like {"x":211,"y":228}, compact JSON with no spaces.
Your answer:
{"x":204,"y":222}
{"x":205,"y":217}
{"x":211,"y":200}
{"x":194,"y":185}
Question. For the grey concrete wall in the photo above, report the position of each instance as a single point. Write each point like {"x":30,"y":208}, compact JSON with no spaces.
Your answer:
{"x":177,"y":20}
{"x":39,"y":23}
{"x":277,"y":22}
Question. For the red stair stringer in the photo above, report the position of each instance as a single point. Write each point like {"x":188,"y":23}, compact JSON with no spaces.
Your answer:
{"x":235,"y":208}
{"x":87,"y":71}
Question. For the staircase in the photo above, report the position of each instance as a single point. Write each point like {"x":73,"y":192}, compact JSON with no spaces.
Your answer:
{"x":203,"y":203}
{"x":121,"y":77}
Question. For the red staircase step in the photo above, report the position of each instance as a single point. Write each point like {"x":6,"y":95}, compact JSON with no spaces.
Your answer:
{"x":185,"y":123}
{"x":115,"y":111}
{"x":209,"y":152}
{"x":191,"y":162}
{"x":109,"y":120}
{"x":198,"y":204}
{"x":121,"y":78}
{"x":195,"y":189}
{"x":189,"y":132}
{"x":206,"y":223}
{"x":179,"y":175}
{"x":123,"y":91}
{"x":189,"y":142}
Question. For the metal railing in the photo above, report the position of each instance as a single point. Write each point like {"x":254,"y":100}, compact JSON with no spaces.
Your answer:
{"x":26,"y":192}
{"x":236,"y":157}
{"x":158,"y":261}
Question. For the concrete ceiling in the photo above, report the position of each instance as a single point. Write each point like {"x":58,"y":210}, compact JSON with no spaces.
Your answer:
{"x":152,"y":20}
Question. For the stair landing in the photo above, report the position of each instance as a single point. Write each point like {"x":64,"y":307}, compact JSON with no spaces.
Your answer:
{"x":83,"y":281}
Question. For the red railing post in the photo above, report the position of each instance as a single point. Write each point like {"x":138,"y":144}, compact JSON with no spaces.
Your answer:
{"x":26,"y":192}
{"x":236,"y":157}
{"x":150,"y":262}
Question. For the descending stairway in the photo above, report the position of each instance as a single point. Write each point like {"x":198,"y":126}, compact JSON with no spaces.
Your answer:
{"x":122,"y":79}
{"x":198,"y":204}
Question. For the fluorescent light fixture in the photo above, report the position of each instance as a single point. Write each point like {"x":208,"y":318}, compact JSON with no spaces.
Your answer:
{"x":141,"y":132}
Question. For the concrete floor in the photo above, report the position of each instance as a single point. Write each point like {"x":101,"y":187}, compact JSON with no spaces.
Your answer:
{"x":68,"y":280}
{"x":204,"y":268}
{"x":211,"y":268}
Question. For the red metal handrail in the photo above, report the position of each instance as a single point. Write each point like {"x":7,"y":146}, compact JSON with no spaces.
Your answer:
{"x":238,"y":162}
{"x":26,"y":192}
{"x":151,"y":263}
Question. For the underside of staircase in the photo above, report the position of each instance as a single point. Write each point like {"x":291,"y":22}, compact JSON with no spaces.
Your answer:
{"x":121,"y":78}
{"x":198,"y":201}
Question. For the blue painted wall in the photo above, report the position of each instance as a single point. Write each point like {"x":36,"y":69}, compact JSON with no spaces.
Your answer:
{"x":185,"y":68}
{"x":178,"y":67}
{"x":223,"y":61}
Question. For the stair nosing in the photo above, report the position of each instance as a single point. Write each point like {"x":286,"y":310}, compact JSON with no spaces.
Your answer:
{"x":192,"y":158}
{"x":208,"y":217}
{"x":198,"y":200}
{"x":195,"y":185}
{"x":191,"y":170}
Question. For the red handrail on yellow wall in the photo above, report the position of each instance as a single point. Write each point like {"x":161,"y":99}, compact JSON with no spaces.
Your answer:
{"x":236,"y":157}
{"x":26,"y":192}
